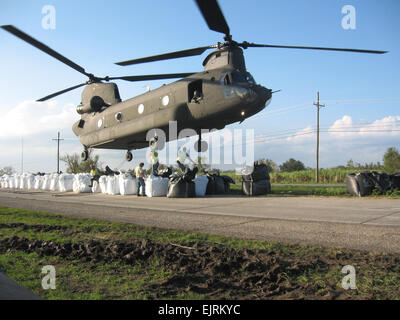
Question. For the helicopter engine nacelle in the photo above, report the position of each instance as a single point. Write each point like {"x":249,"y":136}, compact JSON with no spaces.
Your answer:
{"x":97,"y":96}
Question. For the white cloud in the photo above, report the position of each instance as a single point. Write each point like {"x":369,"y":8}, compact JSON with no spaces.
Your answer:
{"x":30,"y":118}
{"x":345,"y":128}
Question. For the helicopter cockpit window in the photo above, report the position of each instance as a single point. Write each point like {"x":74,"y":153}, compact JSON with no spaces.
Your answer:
{"x":238,"y":77}
{"x":242,"y":77}
{"x":250,"y":78}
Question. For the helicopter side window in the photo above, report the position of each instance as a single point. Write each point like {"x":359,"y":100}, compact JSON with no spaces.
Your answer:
{"x":225,"y":80}
{"x":195,"y":91}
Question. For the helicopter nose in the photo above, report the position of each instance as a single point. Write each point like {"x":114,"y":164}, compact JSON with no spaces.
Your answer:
{"x":264,"y":95}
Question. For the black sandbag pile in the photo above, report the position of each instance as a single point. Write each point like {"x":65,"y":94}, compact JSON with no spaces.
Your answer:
{"x":182,"y":186}
{"x":258,"y":182}
{"x":396,"y":181}
{"x":218,"y":184}
{"x":165,"y":173}
{"x":364,"y":183}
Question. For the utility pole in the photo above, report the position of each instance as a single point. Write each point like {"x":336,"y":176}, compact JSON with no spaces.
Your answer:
{"x":318,"y":105}
{"x":22,"y":155}
{"x":58,"y":151}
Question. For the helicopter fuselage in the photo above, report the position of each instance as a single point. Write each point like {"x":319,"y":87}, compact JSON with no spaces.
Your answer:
{"x":224,"y":93}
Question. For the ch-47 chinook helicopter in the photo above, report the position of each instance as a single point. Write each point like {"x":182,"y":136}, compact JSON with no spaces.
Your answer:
{"x":223,"y":93}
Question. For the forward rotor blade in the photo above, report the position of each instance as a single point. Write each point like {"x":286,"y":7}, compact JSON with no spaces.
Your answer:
{"x":151,"y":77}
{"x":254,"y":45}
{"x":60,"y":92}
{"x":213,"y":15}
{"x":41,"y":46}
{"x":166,"y":56}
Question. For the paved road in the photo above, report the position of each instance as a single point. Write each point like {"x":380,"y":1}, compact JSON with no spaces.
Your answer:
{"x":366,"y":224}
{"x":10,"y":290}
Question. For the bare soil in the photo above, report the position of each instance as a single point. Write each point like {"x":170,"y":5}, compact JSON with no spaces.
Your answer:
{"x":216,"y":271}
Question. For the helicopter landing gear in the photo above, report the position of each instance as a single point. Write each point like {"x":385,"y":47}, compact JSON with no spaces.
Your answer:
{"x":128,"y":156}
{"x":85,"y":155}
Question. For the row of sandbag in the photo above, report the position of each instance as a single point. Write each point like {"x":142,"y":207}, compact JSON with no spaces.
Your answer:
{"x":364,"y":183}
{"x":123,"y":184}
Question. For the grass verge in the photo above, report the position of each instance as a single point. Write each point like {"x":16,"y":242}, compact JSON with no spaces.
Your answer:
{"x":291,"y":271}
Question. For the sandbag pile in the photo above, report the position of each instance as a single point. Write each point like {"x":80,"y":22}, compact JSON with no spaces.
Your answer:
{"x":156,"y":186}
{"x":113,"y":185}
{"x":364,"y":183}
{"x":200,"y":184}
{"x":218,"y":184}
{"x":127,"y":184}
{"x":81,"y":183}
{"x":257,"y":182}
{"x":65,"y":182}
{"x":182,"y":186}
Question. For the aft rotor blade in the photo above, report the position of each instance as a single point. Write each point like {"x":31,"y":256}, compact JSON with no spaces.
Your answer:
{"x":61,"y":92}
{"x":152,"y":77}
{"x":166,"y":56}
{"x":255,"y":45}
{"x":213,"y":15}
{"x":41,"y":46}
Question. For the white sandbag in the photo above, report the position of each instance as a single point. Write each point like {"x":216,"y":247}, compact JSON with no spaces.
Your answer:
{"x":103,"y":184}
{"x":156,"y":186}
{"x":30,"y":181}
{"x":22,"y":181}
{"x":127,"y":184}
{"x":65,"y":182}
{"x":11,"y":182}
{"x":112,"y":185}
{"x":16,"y":181}
{"x":46,"y":182}
{"x":96,"y":187}
{"x":4,"y":181}
{"x":38,"y":182}
{"x":54,"y":183}
{"x":81,"y":183}
{"x":201,"y":183}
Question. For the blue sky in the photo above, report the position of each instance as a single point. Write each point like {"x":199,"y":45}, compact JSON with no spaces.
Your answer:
{"x":95,"y":34}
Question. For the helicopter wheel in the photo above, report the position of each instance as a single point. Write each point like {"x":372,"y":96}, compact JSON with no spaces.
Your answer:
{"x":84,"y":155}
{"x":201,"y":146}
{"x":128,"y":156}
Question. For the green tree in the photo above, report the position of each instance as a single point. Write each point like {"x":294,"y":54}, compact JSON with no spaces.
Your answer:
{"x":7,"y":170}
{"x":76,"y":165}
{"x":391,"y":160}
{"x":272,"y":166}
{"x":292,"y":165}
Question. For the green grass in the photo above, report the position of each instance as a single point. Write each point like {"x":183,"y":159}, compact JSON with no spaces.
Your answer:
{"x":77,"y":279}
{"x":326,"y":191}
